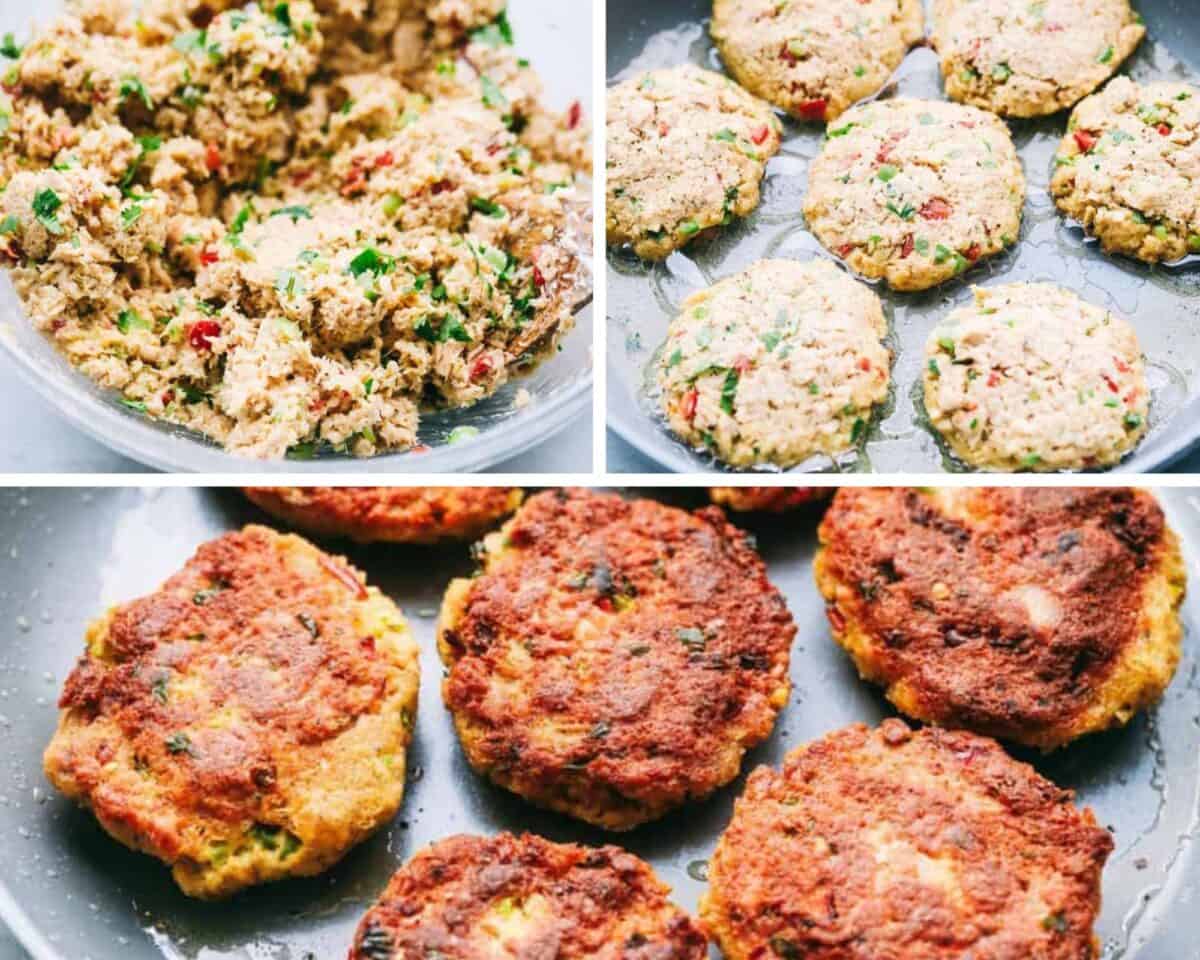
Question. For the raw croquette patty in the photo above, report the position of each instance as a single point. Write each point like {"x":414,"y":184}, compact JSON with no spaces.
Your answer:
{"x":776,"y":364}
{"x":767,"y":499}
{"x":614,"y":658}
{"x":687,"y":150}
{"x":525,"y":898}
{"x":391,"y":514}
{"x":915,"y":191}
{"x":1127,"y":169}
{"x":926,"y":845}
{"x":1030,"y":59}
{"x":246,"y":722}
{"x":1033,"y":615}
{"x":812,"y":58}
{"x":1030,"y":377}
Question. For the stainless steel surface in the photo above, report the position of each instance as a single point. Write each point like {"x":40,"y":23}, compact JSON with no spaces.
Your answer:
{"x":558,"y":41}
{"x":37,"y":439}
{"x":1162,"y":303}
{"x":76,"y":894}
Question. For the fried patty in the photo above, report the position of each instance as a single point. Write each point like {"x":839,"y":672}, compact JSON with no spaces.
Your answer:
{"x":927,"y":845}
{"x":1032,"y":615}
{"x":614,"y":658}
{"x":390,"y":514}
{"x":525,"y":898}
{"x":766,"y":499}
{"x":247,"y":721}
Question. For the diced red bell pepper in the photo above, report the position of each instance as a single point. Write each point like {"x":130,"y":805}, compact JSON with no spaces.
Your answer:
{"x":1164,"y":129}
{"x":539,"y":280}
{"x":574,"y":115}
{"x":202,"y":333}
{"x":209,"y":256}
{"x":813,"y":109}
{"x":973,"y":252}
{"x":760,"y":135}
{"x":481,"y":367}
{"x":212,"y":158}
{"x":690,"y":399}
{"x":906,"y":247}
{"x":1085,"y":140}
{"x":385,"y":159}
{"x":937,"y":209}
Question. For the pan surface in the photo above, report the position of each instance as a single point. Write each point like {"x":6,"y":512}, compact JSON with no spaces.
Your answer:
{"x":1162,"y":303}
{"x":69,"y":892}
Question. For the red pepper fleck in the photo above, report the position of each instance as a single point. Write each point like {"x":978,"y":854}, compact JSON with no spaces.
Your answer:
{"x":906,"y":247}
{"x":539,"y":280}
{"x":419,"y":448}
{"x":885,"y":152}
{"x":385,"y":159}
{"x":1112,"y":384}
{"x":367,"y":644}
{"x":663,"y":129}
{"x":441,"y":187}
{"x":760,"y":135}
{"x":973,"y":252}
{"x":937,"y":209}
{"x":813,"y":109}
{"x":58,"y":324}
{"x":168,"y":396}
{"x":1121,"y":365}
{"x":993,"y":379}
{"x":481,"y":367}
{"x":356,"y":182}
{"x":690,"y":399}
{"x":836,"y":620}
{"x":605,"y":604}
{"x":1131,"y":396}
{"x":209,"y":256}
{"x":864,"y":364}
{"x":202,"y":334}
{"x":1164,"y":129}
{"x":301,"y":176}
{"x":212,"y":157}
{"x":349,"y":580}
{"x":1085,"y":140}
{"x":574,"y":115}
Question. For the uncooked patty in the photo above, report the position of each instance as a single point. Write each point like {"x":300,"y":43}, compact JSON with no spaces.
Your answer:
{"x":1030,"y":377}
{"x":1030,"y":59}
{"x":926,"y":845}
{"x":389,"y":514}
{"x":812,"y":58}
{"x":1032,"y":615}
{"x":776,"y":364}
{"x":916,"y":191}
{"x":476,"y":898}
{"x":687,"y":150}
{"x":246,"y":722}
{"x":1127,"y":169}
{"x":614,"y":659}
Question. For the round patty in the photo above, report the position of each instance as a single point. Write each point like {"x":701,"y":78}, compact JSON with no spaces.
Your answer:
{"x":1033,"y":615}
{"x":390,"y":514}
{"x":246,"y":722}
{"x":1127,"y":169}
{"x":767,"y":499}
{"x":926,"y":845}
{"x":476,"y":898}
{"x":776,"y":364}
{"x":915,"y":191}
{"x":1030,"y":377}
{"x":614,"y":658}
{"x":687,"y":150}
{"x":811,"y":58}
{"x":1030,"y":59}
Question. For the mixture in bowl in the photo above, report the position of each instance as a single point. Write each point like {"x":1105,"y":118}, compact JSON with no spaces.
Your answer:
{"x":291,"y":226}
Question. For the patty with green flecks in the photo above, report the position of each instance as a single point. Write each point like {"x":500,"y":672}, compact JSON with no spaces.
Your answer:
{"x":1030,"y":377}
{"x":614,"y":658}
{"x":1031,"y":59}
{"x":525,"y":898}
{"x":246,"y":722}
{"x":775,"y":365}
{"x":916,"y":192}
{"x":1128,"y":169}
{"x":687,"y":151}
{"x":907,"y":845}
{"x":812,"y":58}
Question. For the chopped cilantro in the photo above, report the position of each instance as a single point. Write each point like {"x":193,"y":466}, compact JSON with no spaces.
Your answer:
{"x":9,"y":48}
{"x":45,"y":207}
{"x":130,"y":320}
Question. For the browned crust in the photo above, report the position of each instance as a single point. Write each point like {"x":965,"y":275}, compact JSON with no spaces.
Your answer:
{"x":584,"y":902}
{"x":767,"y":499}
{"x":1014,"y":612}
{"x":215,"y":711}
{"x":932,"y":845}
{"x":615,"y":658}
{"x":391,"y":514}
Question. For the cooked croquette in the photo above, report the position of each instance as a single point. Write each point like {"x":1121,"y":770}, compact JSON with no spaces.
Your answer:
{"x":246,"y":722}
{"x":1032,"y":615}
{"x":614,"y":658}
{"x":927,"y":845}
{"x":389,"y":514}
{"x":766,"y":499}
{"x":476,"y":898}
